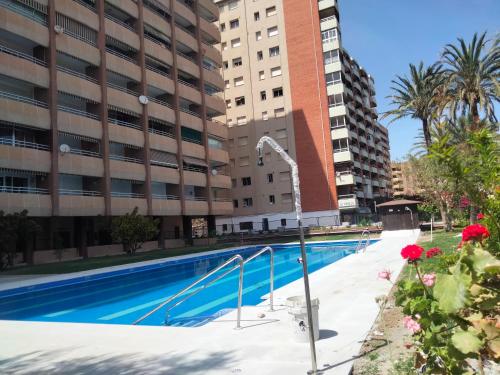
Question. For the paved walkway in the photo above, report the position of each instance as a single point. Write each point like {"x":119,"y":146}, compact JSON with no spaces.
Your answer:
{"x":346,"y":289}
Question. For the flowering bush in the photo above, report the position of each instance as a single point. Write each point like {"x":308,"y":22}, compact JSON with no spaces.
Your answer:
{"x":412,"y":252}
{"x":453,"y":314}
{"x":475,"y":232}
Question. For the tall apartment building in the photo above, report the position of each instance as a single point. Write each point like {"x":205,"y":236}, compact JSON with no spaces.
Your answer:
{"x":403,"y":180}
{"x":287,"y":76}
{"x":107,"y":105}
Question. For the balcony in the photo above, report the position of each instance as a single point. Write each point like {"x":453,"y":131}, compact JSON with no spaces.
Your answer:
{"x":338,"y":133}
{"x":23,"y":110}
{"x":18,"y":19}
{"x":195,"y":206}
{"x":80,"y":203}
{"x":166,"y":205}
{"x":123,"y":169}
{"x":19,"y":65}
{"x":344,"y":178}
{"x":222,"y":207}
{"x":342,"y":155}
{"x":81,"y":163}
{"x":86,"y":13}
{"x":166,"y":175}
{"x":195,"y":150}
{"x":35,"y":200}
{"x":195,"y":177}
{"x":22,"y":155}
{"x":125,"y":203}
{"x":217,"y":128}
{"x":348,"y":202}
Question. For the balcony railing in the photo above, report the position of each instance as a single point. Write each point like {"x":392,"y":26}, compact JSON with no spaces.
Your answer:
{"x":83,"y":193}
{"x":185,"y":83}
{"x":22,"y":55}
{"x":126,"y":195}
{"x":124,"y":89}
{"x":23,"y":99}
{"x":126,"y":158}
{"x":162,"y":102}
{"x":194,"y":169}
{"x":161,"y":132}
{"x":23,"y":190}
{"x":77,"y":112}
{"x":32,"y":14}
{"x":77,"y":74}
{"x":165,"y":196}
{"x":119,"y":22}
{"x":77,"y":151}
{"x":185,"y":110}
{"x":191,"y":198}
{"x":124,"y":123}
{"x":191,"y":140}
{"x":18,"y":143}
{"x":186,"y":56}
{"x":159,"y":71}
{"x":222,"y":199}
{"x":121,"y":55}
{"x":86,"y":5}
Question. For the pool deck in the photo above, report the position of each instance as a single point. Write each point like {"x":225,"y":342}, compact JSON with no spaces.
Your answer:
{"x":346,"y":290}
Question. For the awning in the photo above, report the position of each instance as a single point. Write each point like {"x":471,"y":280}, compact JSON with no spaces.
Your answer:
{"x":123,"y":110}
{"x":195,"y":161}
{"x":164,"y":158}
{"x":397,"y":202}
{"x":79,"y":137}
{"x":18,"y":172}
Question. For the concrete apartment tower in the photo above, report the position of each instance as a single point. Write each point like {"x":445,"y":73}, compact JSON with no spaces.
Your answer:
{"x":107,"y":105}
{"x":287,"y":76}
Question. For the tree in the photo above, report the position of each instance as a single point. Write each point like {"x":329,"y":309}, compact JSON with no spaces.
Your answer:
{"x":132,"y":230}
{"x":415,"y":97}
{"x":472,"y":77}
{"x":13,"y":228}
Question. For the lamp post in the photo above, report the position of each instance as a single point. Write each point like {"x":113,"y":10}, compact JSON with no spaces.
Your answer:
{"x":298,"y":209}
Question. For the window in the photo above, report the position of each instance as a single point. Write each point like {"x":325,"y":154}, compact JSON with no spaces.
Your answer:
{"x":283,"y":221}
{"x":227,"y":84}
{"x":329,"y":35}
{"x":246,"y":181}
{"x":222,"y":27}
{"x":238,"y":81}
{"x":335,"y":100}
{"x":286,"y":198}
{"x":265,"y":116}
{"x":275,"y":72}
{"x":258,"y":35}
{"x":270,"y":178}
{"x":233,"y":24}
{"x":260,"y":56}
{"x":279,"y":112}
{"x":224,"y":46}
{"x":340,"y":145}
{"x":234,"y":182}
{"x":262,"y":75}
{"x":235,"y":203}
{"x":240,"y":100}
{"x":331,"y":56}
{"x":228,"y":103}
{"x":272,"y":31}
{"x":224,"y":227}
{"x":256,"y":16}
{"x":244,"y":161}
{"x":281,"y":133}
{"x":277,"y":92}
{"x":263,"y":95}
{"x":271,"y":11}
{"x":242,"y":141}
{"x":235,"y":42}
{"x":225,"y":64}
{"x":237,"y":62}
{"x":333,"y":78}
{"x":271,"y":199}
{"x":232,"y":5}
{"x":246,"y":225}
{"x":241,"y":120}
{"x":285,"y":176}
{"x":337,"y":122}
{"x":274,"y":51}
{"x":247,"y":202}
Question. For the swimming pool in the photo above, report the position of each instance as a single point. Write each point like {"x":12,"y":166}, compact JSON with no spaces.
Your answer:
{"x":120,"y":297}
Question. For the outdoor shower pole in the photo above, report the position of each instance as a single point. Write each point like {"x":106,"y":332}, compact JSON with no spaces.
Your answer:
{"x":298,"y":209}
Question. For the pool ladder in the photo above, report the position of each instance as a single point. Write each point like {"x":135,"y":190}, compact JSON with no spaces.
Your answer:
{"x":360,"y":246}
{"x":240,"y":265}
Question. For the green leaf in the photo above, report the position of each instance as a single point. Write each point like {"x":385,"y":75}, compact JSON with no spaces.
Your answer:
{"x":466,"y":342}
{"x":451,"y":291}
{"x":483,"y":260}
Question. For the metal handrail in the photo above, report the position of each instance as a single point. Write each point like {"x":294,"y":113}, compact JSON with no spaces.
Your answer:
{"x":359,"y":246}
{"x":204,"y":277}
{"x":271,"y":275}
{"x":22,"y":55}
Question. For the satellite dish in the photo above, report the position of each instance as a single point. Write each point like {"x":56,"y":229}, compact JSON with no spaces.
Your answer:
{"x":143,"y":99}
{"x":214,"y":172}
{"x":58,"y":29}
{"x":64,"y":148}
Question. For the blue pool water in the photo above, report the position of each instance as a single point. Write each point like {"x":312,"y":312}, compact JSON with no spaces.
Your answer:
{"x":123,"y":296}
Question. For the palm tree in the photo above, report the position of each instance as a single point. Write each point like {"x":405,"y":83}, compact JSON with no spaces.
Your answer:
{"x":472,"y":77}
{"x":415,"y":96}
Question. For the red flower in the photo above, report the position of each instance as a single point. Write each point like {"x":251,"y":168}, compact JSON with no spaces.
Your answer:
{"x":433,"y":252}
{"x":480,"y":216}
{"x":412,"y":252}
{"x":475,"y":232}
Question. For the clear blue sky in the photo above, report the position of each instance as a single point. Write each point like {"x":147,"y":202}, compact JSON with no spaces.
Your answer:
{"x":384,"y":36}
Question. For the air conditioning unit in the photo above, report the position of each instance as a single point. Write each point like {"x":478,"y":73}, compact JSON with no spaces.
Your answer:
{"x":58,"y":29}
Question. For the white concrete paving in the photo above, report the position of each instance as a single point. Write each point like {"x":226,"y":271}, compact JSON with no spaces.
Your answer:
{"x":346,"y":289}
